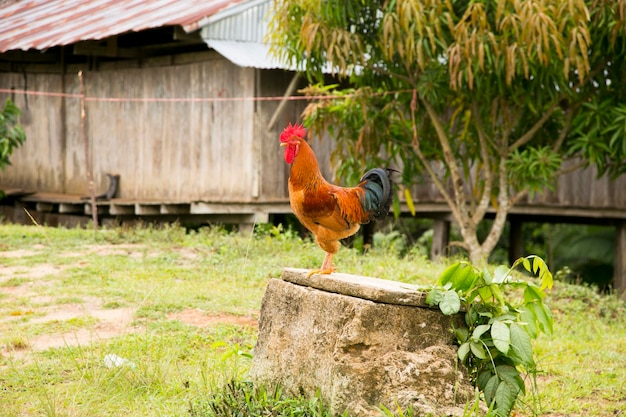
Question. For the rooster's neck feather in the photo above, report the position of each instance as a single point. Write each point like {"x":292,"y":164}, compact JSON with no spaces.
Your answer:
{"x":305,"y":172}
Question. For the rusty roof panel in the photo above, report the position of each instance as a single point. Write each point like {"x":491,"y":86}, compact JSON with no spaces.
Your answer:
{"x":41,"y":24}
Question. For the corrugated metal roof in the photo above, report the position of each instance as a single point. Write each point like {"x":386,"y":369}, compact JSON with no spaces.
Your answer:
{"x":238,"y":33}
{"x":41,"y":24}
{"x":246,"y":22}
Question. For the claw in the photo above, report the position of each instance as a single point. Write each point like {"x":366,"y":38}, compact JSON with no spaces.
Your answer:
{"x":327,"y":267}
{"x":320,"y":272}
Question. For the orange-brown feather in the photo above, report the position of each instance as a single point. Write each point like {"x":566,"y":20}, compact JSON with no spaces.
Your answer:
{"x":330,"y":212}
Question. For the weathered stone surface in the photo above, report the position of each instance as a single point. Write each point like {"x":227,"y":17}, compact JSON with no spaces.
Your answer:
{"x":358,"y":351}
{"x":368,"y":288}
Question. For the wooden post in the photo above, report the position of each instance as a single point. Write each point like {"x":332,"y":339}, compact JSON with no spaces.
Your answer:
{"x":441,"y":238}
{"x":83,"y":125}
{"x":516,"y":241}
{"x":281,"y":106}
{"x":619,"y":272}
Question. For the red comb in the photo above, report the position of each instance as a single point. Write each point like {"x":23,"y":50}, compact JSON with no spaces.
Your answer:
{"x":291,"y":130}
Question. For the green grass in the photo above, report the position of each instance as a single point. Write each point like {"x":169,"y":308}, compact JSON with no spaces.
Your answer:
{"x":243,"y":399}
{"x":186,"y":370}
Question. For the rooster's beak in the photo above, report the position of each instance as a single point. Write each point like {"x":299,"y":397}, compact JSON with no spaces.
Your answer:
{"x":283,"y":144}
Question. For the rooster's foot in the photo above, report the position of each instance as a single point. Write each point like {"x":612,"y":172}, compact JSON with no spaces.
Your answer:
{"x":320,"y":272}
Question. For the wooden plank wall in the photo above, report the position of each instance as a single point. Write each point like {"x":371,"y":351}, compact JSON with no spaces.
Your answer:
{"x":176,"y":151}
{"x":170,"y":151}
{"x":38,"y":163}
{"x":580,"y":188}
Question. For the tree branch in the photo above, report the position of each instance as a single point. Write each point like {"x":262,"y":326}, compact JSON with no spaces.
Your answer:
{"x":515,"y":198}
{"x":525,"y":138}
{"x":564,"y":131}
{"x":402,"y":77}
{"x":565,"y":171}
{"x":457,"y":180}
{"x":483,"y":204}
{"x":426,"y":163}
{"x":504,"y":203}
{"x":440,"y":186}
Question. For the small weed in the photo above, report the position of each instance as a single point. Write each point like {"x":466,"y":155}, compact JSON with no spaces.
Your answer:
{"x":243,"y":399}
{"x":17,"y":343}
{"x":14,"y":282}
{"x":63,"y":326}
{"x":68,"y":300}
{"x":157,"y":311}
{"x":112,"y":305}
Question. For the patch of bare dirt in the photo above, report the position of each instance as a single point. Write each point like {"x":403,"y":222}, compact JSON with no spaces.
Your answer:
{"x":18,"y":253}
{"x":129,"y":249}
{"x":199,"y":318}
{"x":18,"y":291}
{"x":31,"y":273}
{"x":89,"y":306}
{"x":110,"y":323}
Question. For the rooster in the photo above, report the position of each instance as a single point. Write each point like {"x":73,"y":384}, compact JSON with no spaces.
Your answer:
{"x":330,"y":212}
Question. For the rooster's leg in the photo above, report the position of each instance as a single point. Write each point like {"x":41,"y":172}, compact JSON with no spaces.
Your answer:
{"x":327,"y":267}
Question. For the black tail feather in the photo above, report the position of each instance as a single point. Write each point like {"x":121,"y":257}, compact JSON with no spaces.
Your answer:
{"x":378,"y":188}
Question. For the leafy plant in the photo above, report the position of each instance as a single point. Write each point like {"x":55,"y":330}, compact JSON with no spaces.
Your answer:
{"x":243,"y":399}
{"x":495,"y":339}
{"x":11,"y":133}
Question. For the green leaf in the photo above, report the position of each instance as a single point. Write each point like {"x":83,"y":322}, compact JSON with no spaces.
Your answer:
{"x":463,"y":351}
{"x":487,"y":276}
{"x":450,"y":303}
{"x":505,"y":397}
{"x":479,"y":331}
{"x":448,"y":273}
{"x":490,"y":389}
{"x":483,"y":379}
{"x":532,"y":293}
{"x":511,"y":375}
{"x":460,"y":275}
{"x":500,"y":274}
{"x":529,"y":320}
{"x":521,"y":349}
{"x":544,"y":318}
{"x":541,"y":269}
{"x":478,"y":350}
{"x":537,"y":267}
{"x":501,"y":336}
{"x":497,"y":293}
{"x":434,"y":297}
{"x":485,"y":293}
{"x":461,"y":333}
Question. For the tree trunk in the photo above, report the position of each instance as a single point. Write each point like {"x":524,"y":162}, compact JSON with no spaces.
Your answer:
{"x":476,"y":252}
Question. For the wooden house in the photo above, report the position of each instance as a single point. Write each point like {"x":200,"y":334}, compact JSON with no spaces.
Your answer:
{"x":182,"y":101}
{"x":188,"y":131}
